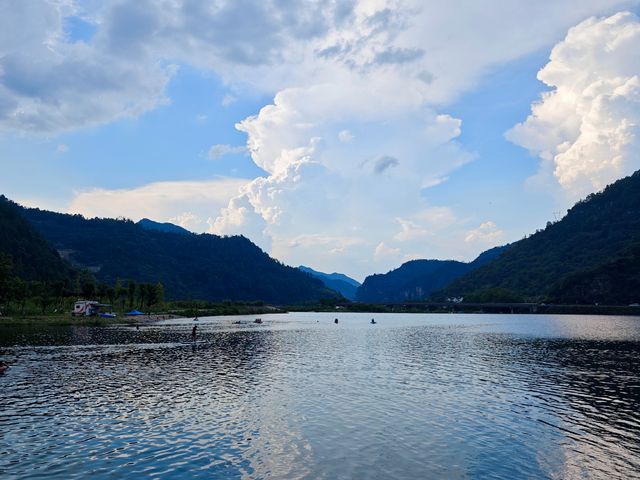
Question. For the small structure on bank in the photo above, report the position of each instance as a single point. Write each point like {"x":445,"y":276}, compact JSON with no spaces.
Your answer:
{"x":89,"y":308}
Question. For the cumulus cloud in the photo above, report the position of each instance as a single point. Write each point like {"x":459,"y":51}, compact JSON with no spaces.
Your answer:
{"x":345,"y":136}
{"x":184,"y":203}
{"x":384,"y":251}
{"x":187,"y":220}
{"x":62,"y":148}
{"x":357,"y":128}
{"x":220,"y":150}
{"x":52,"y":82}
{"x":586,"y":130}
{"x":385,"y":162}
{"x":318,"y":184}
{"x":487,"y":234}
{"x":48,"y":84}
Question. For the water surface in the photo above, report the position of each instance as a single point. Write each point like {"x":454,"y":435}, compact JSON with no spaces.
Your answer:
{"x":414,"y":396}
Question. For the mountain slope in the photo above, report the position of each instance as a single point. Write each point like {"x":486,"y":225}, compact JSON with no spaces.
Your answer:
{"x":417,"y":279}
{"x":205,"y":267}
{"x":595,"y":231}
{"x":616,"y":282}
{"x":30,"y":256}
{"x":162,"y":227}
{"x":339,"y":282}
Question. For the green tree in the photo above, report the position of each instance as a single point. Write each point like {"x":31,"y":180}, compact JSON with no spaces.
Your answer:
{"x":87,"y":285}
{"x":120,"y":293}
{"x":131,"y":293}
{"x":6,"y":268}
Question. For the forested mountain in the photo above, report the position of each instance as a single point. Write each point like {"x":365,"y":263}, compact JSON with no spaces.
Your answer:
{"x":162,"y":227}
{"x":615,"y":282}
{"x":29,"y":255}
{"x":339,"y":282}
{"x":190,"y":266}
{"x":593,"y":241}
{"x":417,"y":279}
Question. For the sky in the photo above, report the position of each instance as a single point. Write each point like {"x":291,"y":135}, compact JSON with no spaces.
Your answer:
{"x":348,"y":136}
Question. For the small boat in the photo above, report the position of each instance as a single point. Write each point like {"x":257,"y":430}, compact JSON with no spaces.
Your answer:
{"x":108,"y":315}
{"x":257,"y":320}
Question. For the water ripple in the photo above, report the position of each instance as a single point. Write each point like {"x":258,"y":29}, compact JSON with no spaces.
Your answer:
{"x":415,"y":396}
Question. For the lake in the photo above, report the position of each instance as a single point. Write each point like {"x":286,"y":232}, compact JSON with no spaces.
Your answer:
{"x":414,"y":396}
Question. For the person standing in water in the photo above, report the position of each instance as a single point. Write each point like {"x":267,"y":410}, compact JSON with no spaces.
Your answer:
{"x":335,"y":321}
{"x":193,"y":332}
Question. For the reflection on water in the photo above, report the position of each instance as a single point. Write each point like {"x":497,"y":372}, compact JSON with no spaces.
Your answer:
{"x":415,"y":396}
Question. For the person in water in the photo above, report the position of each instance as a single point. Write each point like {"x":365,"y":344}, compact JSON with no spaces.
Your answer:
{"x":335,"y":321}
{"x":193,"y":332}
{"x":373,"y":321}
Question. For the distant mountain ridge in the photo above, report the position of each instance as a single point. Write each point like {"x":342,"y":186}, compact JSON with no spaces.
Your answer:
{"x":339,"y":282}
{"x":163,"y":227}
{"x":190,"y":266}
{"x":565,"y":260}
{"x":417,"y":279}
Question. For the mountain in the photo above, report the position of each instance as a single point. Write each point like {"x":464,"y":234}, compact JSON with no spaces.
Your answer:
{"x":417,"y":279}
{"x":30,"y":256}
{"x":162,"y":227}
{"x":203,"y":267}
{"x":339,"y":282}
{"x":616,"y":282}
{"x":586,"y":243}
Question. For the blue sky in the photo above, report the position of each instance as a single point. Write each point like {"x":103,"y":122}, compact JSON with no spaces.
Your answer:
{"x":350,"y":136}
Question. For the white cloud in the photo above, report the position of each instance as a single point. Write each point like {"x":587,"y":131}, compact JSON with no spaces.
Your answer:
{"x":184,"y":203}
{"x":220,"y":150}
{"x":409,"y":231}
{"x":228,"y":99}
{"x":382,"y":252}
{"x":317,"y":184}
{"x":62,"y":148}
{"x":345,"y":136}
{"x":357,"y":128}
{"x":51,"y":83}
{"x":187,"y":220}
{"x":587,"y":129}
{"x":487,"y":234}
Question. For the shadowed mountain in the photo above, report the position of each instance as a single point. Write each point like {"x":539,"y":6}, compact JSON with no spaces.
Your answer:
{"x":591,"y":244}
{"x":417,"y":279}
{"x":163,"y":227}
{"x":339,"y":282}
{"x":615,"y":283}
{"x":190,"y":266}
{"x":29,"y":254}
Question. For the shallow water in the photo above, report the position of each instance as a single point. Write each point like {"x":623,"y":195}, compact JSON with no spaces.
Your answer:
{"x":414,"y":396}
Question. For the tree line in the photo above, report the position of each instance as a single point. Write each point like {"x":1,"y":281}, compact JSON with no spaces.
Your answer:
{"x":18,"y":295}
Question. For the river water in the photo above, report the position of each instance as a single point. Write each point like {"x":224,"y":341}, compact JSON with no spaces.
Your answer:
{"x":414,"y":396}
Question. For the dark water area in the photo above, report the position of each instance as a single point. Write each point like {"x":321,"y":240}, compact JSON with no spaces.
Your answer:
{"x":414,"y":396}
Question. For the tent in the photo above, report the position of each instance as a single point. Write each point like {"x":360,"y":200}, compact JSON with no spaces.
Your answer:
{"x":134,"y":313}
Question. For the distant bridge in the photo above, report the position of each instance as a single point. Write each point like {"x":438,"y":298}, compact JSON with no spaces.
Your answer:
{"x":496,"y":307}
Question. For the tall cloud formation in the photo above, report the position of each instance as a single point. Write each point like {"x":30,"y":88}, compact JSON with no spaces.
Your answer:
{"x":357,"y":130}
{"x":587,"y":129}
